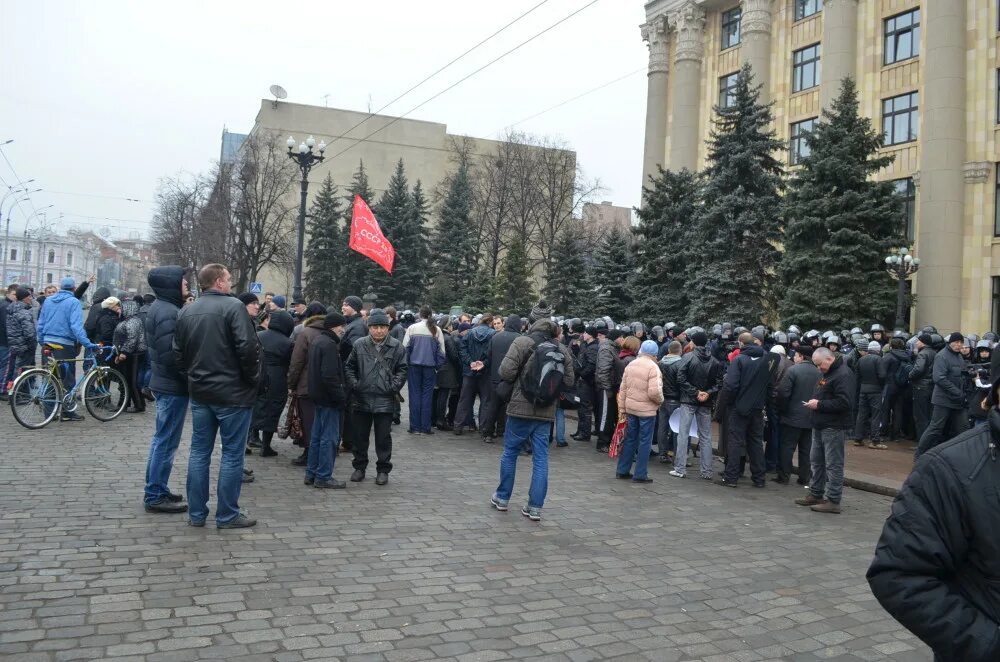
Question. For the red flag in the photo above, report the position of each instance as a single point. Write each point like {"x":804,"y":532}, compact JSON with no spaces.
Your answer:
{"x":367,"y":237}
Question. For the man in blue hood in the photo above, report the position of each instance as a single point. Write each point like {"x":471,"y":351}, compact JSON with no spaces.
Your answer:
{"x":60,"y":325}
{"x":168,"y":385}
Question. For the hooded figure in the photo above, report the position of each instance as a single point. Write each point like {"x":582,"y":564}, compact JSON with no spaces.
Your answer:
{"x":130,"y":339}
{"x":90,"y":326}
{"x":277,"y":348}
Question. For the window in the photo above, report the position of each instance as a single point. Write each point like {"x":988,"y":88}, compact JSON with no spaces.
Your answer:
{"x":798,"y":148}
{"x":805,"y":68}
{"x":996,"y":303}
{"x":902,"y":36}
{"x":48,"y":278}
{"x":52,"y":256}
{"x":731,"y":27}
{"x":27,"y":255}
{"x":69,"y":259}
{"x":907,"y":193}
{"x":13,"y":254}
{"x":727,"y":90}
{"x":998,"y":96}
{"x":899,"y":119}
{"x":806,"y":8}
{"x":996,"y":205}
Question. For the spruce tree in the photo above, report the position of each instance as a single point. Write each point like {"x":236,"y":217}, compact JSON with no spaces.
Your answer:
{"x":325,"y":251}
{"x":514,"y":293}
{"x":481,"y":295}
{"x":738,"y":230}
{"x":358,"y":271}
{"x":663,"y":252}
{"x":452,"y":242}
{"x":567,"y":278}
{"x":613,"y":274}
{"x":840,"y":225}
{"x":411,"y":250}
{"x":393,"y":212}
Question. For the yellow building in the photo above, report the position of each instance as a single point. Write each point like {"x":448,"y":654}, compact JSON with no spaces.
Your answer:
{"x":927,"y":74}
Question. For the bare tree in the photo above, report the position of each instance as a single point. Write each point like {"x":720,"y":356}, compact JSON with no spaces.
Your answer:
{"x":177,"y":215}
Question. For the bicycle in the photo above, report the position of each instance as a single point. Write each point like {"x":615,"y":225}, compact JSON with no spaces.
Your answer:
{"x":38,"y":394}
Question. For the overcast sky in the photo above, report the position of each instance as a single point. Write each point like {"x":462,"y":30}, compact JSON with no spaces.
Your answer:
{"x":104,"y":98}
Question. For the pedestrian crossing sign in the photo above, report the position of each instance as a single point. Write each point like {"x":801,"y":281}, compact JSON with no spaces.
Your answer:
{"x":256,"y":288}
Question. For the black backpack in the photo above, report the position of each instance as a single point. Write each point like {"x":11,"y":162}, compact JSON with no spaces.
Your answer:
{"x":902,"y":375}
{"x":542,"y":383}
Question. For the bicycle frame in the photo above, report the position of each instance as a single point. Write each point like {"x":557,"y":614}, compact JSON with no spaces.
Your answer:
{"x":55,"y":368}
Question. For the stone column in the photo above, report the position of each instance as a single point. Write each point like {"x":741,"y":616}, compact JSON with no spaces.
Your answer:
{"x":685,"y":102}
{"x":655,"y":35}
{"x":838,"y":53}
{"x":942,"y":157}
{"x":755,"y":46}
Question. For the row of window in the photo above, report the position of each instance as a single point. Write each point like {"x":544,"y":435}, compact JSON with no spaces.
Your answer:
{"x":901,"y":33}
{"x":50,"y":258}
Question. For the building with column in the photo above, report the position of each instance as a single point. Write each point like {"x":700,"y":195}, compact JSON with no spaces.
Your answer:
{"x":40,"y":258}
{"x":927,"y":74}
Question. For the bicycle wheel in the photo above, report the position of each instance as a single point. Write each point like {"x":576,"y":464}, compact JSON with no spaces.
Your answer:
{"x":105,"y":393}
{"x":35,"y":398}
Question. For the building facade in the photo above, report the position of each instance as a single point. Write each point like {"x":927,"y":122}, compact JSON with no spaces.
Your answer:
{"x":601,"y":218}
{"x":927,"y":74}
{"x":45,"y":259}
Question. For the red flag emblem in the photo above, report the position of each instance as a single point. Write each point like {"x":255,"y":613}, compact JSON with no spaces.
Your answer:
{"x":367,"y":237}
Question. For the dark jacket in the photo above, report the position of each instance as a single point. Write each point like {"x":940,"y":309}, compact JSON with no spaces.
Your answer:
{"x":748,"y":380}
{"x":276,"y":348}
{"x":100,"y":294}
{"x":160,"y":325}
{"x":937,"y":564}
{"x":354,"y":330}
{"x":449,"y":375}
{"x":216,"y":347}
{"x":327,"y":383}
{"x":129,"y":335}
{"x":796,"y":387}
{"x":376,"y":373}
{"x":298,"y":373}
{"x":475,"y":347}
{"x":869,"y":374}
{"x":585,"y":364}
{"x":889,"y":365}
{"x":500,"y":343}
{"x":20,"y":329}
{"x":922,"y":372}
{"x":835,"y":392}
{"x":520,"y":358}
{"x":107,"y":322}
{"x":669,"y":366}
{"x":699,"y":371}
{"x":4,"y":302}
{"x":604,"y":374}
{"x":949,"y":380}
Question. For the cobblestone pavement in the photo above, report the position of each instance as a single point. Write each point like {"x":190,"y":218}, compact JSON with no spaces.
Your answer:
{"x":424,"y":569}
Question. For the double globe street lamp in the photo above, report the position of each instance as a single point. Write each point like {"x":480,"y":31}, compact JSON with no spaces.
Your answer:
{"x":305,"y":158}
{"x":901,"y":265}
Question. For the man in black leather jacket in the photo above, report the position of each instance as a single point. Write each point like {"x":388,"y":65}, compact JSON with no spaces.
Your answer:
{"x":585,"y":367}
{"x":376,"y":372}
{"x":937,"y":563}
{"x":216,"y":348}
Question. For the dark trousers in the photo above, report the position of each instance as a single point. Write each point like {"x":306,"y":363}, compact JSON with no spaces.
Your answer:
{"x":66,"y":370}
{"x":493,"y":416}
{"x":921,"y":409}
{"x":130,"y":371}
{"x":746,"y":435}
{"x":471,"y":387}
{"x":607,"y":416}
{"x":453,"y":405}
{"x":869,"y":422}
{"x":364,"y":421}
{"x":893,"y":414}
{"x":421,"y":380}
{"x":441,"y":398}
{"x":666,"y":439}
{"x":585,"y":414}
{"x":307,"y":410}
{"x":946,"y":423}
{"x":772,"y":436}
{"x":792,"y":438}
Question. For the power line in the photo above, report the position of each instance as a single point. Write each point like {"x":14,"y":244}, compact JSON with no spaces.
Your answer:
{"x":19,"y":183}
{"x":96,"y":195}
{"x":462,"y":80}
{"x":371,"y":115}
{"x":570,"y":100}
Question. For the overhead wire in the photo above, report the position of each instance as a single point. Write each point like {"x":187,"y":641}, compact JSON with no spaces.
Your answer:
{"x":465,"y":78}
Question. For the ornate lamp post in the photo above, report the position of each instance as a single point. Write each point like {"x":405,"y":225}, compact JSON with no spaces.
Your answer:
{"x":305,"y":158}
{"x":901,"y":265}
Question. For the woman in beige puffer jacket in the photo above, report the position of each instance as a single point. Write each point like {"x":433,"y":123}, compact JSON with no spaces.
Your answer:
{"x":639,"y":399}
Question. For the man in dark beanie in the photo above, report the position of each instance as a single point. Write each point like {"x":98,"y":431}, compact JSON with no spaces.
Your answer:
{"x":540,"y":312}
{"x":20,"y":328}
{"x":328,"y":391}
{"x":354,"y":330}
{"x":376,"y":372}
{"x":699,"y":379}
{"x":949,"y":418}
{"x":922,"y":383}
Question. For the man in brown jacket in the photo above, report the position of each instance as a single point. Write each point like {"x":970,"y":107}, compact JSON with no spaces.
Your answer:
{"x":529,"y":416}
{"x":298,"y":374}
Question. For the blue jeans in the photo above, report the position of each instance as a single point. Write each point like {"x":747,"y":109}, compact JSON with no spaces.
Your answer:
{"x":323,"y":444}
{"x":145,"y":371}
{"x":638,"y":433}
{"x":560,"y":424}
{"x":170,"y":413}
{"x":6,"y":371}
{"x":518,"y":431}
{"x":421,"y":380}
{"x":232,"y":425}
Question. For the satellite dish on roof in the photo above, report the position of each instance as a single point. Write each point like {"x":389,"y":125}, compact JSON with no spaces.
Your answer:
{"x":278,"y":92}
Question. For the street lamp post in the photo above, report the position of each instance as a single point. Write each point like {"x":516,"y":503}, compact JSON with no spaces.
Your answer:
{"x":901,"y":265}
{"x":305,"y":158}
{"x":6,"y":240}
